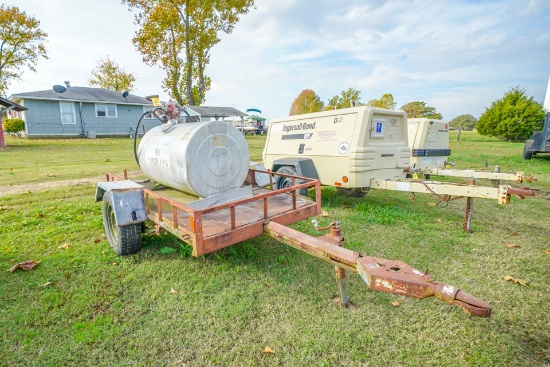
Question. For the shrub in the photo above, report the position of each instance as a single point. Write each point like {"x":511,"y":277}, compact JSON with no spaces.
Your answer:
{"x":13,"y":125}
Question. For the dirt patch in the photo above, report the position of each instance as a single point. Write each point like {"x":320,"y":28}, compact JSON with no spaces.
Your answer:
{"x":44,"y":186}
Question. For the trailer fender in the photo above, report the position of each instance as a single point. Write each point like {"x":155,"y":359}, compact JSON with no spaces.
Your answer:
{"x":304,"y":166}
{"x":127,"y":198}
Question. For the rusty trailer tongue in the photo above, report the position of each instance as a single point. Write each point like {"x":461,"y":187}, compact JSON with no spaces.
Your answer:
{"x":394,"y":276}
{"x":391,"y":276}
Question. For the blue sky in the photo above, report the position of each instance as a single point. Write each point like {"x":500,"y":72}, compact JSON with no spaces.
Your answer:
{"x":457,"y":56}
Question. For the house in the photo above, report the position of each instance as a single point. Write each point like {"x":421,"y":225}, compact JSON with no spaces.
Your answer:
{"x":82,"y":112}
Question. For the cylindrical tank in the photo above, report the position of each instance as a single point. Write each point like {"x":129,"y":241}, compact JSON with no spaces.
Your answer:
{"x":200,"y":158}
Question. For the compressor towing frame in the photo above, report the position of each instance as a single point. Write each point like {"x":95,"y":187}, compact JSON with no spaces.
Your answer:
{"x":127,"y":204}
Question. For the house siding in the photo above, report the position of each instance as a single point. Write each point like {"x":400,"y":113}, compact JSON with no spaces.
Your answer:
{"x":43,"y":119}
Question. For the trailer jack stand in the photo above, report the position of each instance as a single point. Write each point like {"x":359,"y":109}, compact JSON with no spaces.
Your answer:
{"x":335,"y":237}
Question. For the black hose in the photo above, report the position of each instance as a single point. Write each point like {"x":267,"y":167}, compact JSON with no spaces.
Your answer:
{"x":187,"y":113}
{"x":136,"y":133}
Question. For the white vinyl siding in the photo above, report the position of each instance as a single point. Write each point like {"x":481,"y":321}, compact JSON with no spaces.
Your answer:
{"x":67,"y":113}
{"x":105,"y":110}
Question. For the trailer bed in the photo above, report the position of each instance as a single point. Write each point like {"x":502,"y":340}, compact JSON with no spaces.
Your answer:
{"x":219,"y":226}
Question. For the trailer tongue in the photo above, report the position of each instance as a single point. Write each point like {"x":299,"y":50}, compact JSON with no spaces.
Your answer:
{"x":390,"y":276}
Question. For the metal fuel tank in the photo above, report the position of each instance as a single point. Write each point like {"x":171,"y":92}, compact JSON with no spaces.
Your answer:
{"x":200,"y":158}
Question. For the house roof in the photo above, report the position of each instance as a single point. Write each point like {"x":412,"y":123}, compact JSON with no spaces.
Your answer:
{"x":206,"y":111}
{"x":12,"y":105}
{"x":83,"y":94}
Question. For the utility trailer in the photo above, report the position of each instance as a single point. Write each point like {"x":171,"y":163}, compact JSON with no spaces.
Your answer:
{"x":356,"y":149}
{"x":127,"y":204}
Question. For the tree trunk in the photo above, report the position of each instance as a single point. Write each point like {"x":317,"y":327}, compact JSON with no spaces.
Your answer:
{"x":188,"y":59}
{"x":2,"y":142}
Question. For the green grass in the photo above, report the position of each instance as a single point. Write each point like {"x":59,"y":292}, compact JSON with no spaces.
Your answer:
{"x":106,"y":310}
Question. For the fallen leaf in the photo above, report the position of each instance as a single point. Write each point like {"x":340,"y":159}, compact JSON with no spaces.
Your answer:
{"x":50,"y":175}
{"x":173,"y":291}
{"x":432,"y":204}
{"x":512,"y":245}
{"x":474,"y":250}
{"x":395,"y":303}
{"x":115,"y":263}
{"x":515,"y":280}
{"x":11,"y":168}
{"x":97,"y":240}
{"x":46,"y":284}
{"x":107,"y":160}
{"x":439,"y":220}
{"x":63,"y":246}
{"x":40,"y":215}
{"x":25,"y":265}
{"x":67,"y":275}
{"x":547,"y":251}
{"x":268,"y":349}
{"x":267,"y":285}
{"x":513,"y":234}
{"x":324,"y":214}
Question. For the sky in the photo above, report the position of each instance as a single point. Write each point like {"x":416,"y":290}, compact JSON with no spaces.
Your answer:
{"x":457,"y":56}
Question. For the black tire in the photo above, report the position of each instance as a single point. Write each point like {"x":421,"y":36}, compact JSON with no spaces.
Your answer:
{"x":283,"y":182}
{"x":526,"y":153}
{"x":353,"y":193}
{"x":124,"y":240}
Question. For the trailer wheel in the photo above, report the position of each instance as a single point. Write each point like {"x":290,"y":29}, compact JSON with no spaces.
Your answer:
{"x":283,"y":182}
{"x":124,"y":240}
{"x":353,"y":193}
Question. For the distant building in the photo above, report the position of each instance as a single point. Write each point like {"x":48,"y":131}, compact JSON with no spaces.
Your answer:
{"x":95,"y":112}
{"x":207,"y":113}
{"x":81,"y":112}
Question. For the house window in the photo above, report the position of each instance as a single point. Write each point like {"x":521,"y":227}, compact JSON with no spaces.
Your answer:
{"x":67,"y":112}
{"x":105,"y":110}
{"x":149,"y":115}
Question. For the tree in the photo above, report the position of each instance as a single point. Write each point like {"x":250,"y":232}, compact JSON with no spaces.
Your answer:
{"x":178,"y":36}
{"x":513,"y":117}
{"x":419,"y":109}
{"x":386,"y":101}
{"x":464,"y":122}
{"x":306,"y":102}
{"x":344,"y":100}
{"x":21,"y":44}
{"x":109,"y":74}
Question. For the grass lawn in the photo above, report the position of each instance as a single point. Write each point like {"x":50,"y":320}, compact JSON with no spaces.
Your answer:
{"x":161,"y":307}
